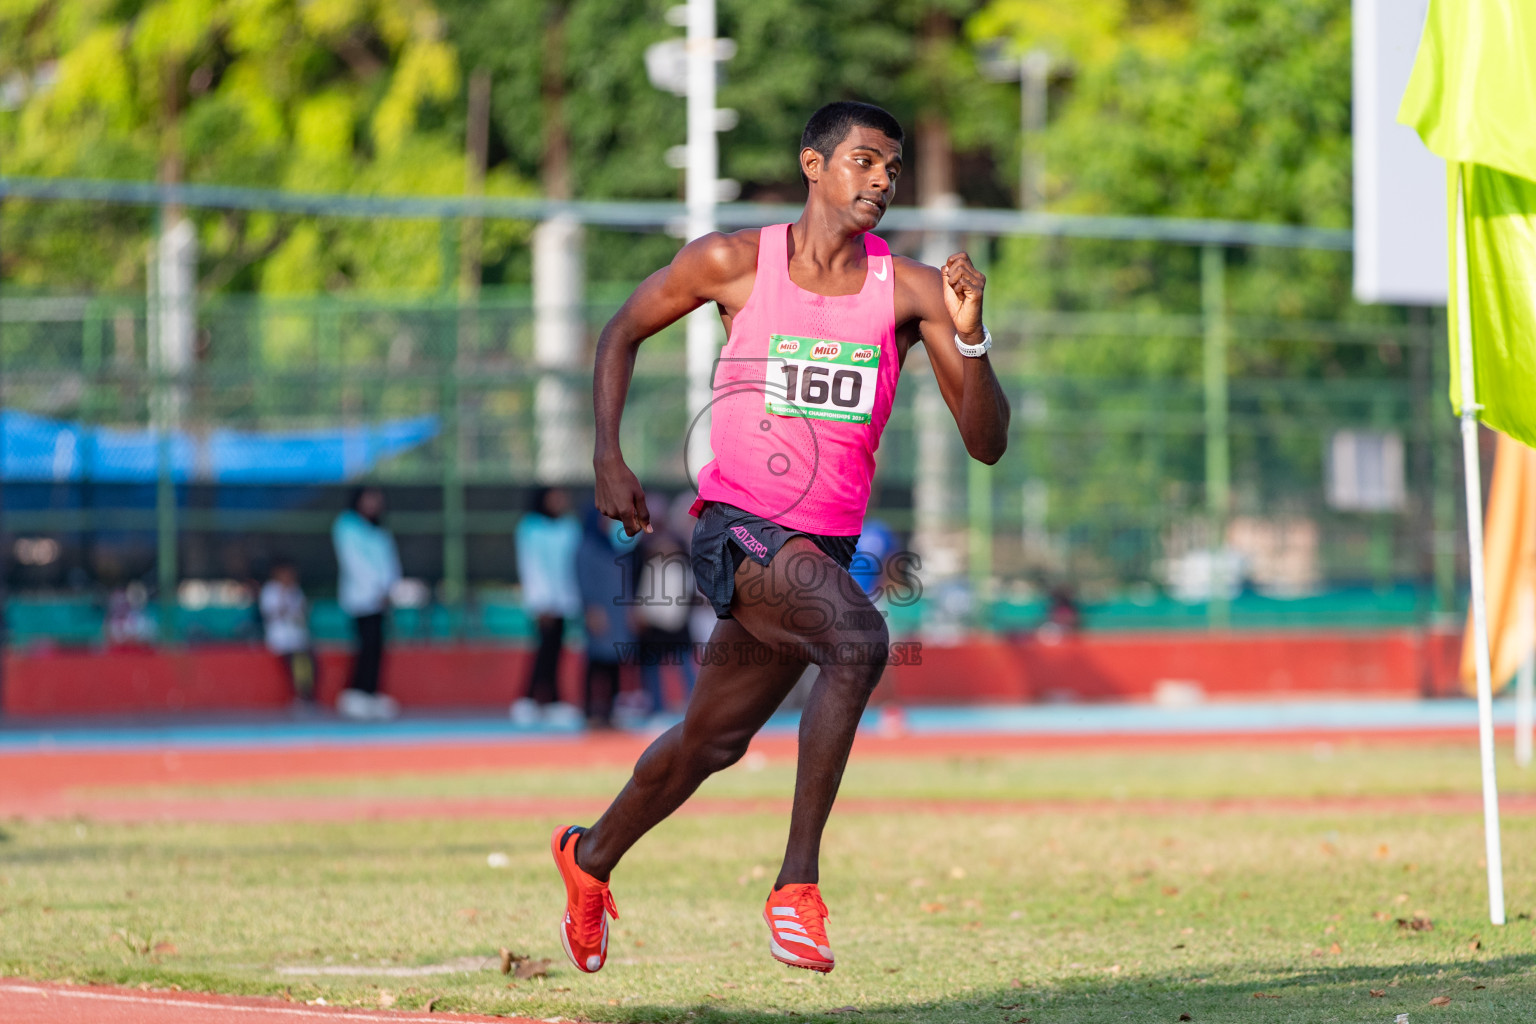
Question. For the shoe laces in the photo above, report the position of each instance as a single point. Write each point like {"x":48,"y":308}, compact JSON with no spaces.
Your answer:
{"x":589,"y":914}
{"x":810,"y":909}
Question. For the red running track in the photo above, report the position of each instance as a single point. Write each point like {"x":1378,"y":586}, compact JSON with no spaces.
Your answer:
{"x":255,"y":810}
{"x":31,"y":1002}
{"x":30,"y":774}
{"x":41,"y":785}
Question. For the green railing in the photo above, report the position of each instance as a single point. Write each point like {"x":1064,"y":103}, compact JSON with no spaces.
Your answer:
{"x":1110,"y":475}
{"x":1140,"y":439}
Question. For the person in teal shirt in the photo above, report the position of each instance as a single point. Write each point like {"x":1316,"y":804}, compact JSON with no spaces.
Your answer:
{"x":546,"y":538}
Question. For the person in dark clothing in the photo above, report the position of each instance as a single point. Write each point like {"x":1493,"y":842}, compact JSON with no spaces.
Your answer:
{"x":604,"y":566}
{"x":664,"y":600}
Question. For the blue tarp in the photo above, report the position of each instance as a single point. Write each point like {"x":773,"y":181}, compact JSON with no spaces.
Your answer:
{"x":41,"y":450}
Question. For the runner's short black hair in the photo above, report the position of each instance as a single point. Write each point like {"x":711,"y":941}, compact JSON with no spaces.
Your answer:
{"x":830,"y":125}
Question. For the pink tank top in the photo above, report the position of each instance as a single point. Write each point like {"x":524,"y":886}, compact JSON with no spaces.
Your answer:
{"x":801,"y":392}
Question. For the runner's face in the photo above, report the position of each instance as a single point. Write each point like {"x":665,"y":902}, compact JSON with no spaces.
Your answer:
{"x":861,"y":175}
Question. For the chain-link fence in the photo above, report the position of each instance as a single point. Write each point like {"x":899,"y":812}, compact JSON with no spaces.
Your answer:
{"x":1206,"y":431}
{"x":1337,"y":480}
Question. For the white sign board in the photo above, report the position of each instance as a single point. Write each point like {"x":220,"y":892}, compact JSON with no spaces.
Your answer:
{"x":1365,"y":471}
{"x":1400,"y":207}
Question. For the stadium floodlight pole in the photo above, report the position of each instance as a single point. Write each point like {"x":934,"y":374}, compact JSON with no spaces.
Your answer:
{"x":1469,"y":452}
{"x":702,"y":194}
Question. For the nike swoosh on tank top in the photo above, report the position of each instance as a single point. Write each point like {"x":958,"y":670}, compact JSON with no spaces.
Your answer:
{"x":801,"y":393}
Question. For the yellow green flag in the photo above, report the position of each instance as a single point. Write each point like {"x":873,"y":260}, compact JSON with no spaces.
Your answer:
{"x":1472,"y":99}
{"x":1472,"y":95}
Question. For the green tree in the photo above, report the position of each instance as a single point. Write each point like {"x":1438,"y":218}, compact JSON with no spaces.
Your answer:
{"x":1225,"y":109}
{"x":1248,"y":121}
{"x":329,"y":96}
{"x":572,"y":105}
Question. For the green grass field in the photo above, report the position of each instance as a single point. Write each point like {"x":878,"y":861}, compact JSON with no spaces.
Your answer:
{"x":1060,"y":917}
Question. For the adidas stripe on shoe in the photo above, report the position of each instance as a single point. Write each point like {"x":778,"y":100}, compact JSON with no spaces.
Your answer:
{"x":797,"y":930}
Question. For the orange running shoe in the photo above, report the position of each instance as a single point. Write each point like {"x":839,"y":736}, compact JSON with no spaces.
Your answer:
{"x":797,"y":929}
{"x":588,"y":904}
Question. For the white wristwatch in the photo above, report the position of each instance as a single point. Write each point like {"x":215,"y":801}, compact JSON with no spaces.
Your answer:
{"x":975,"y":351}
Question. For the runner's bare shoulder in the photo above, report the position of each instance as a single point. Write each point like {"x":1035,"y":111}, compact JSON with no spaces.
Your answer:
{"x":721,"y":257}
{"x":717,"y":267}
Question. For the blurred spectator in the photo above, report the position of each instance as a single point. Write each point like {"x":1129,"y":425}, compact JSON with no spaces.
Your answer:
{"x":546,"y":539}
{"x":128,"y":621}
{"x":665,"y":595}
{"x":369,"y":565}
{"x":1062,"y":616}
{"x":605,"y":562}
{"x":285,"y":623}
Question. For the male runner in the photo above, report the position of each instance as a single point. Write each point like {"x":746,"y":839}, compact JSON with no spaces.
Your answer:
{"x":820,"y":317}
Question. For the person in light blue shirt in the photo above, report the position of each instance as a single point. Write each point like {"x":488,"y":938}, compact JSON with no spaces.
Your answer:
{"x":546,"y":539}
{"x":369,"y":565}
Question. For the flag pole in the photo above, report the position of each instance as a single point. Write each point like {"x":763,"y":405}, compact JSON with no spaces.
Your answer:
{"x":1469,"y":409}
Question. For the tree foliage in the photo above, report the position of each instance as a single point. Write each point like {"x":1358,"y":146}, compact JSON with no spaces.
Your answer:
{"x":571,"y":73}
{"x":1203,"y":108}
{"x":1248,"y":121}
{"x":329,"y":96}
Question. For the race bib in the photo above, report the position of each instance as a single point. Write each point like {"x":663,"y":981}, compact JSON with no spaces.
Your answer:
{"x":821,"y":379}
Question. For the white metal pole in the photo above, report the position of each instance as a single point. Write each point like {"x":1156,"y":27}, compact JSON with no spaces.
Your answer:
{"x":1525,"y":686}
{"x":1469,"y":408}
{"x":558,"y":335}
{"x":702,"y":193}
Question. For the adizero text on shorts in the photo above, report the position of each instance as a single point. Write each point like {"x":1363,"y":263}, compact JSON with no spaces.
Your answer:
{"x":725,"y":535}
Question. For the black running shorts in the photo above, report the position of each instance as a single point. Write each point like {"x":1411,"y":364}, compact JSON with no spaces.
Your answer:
{"x":726,"y":534}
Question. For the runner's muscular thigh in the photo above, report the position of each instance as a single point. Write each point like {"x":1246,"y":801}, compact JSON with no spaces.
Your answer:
{"x":803,"y":596}
{"x":736,"y":692}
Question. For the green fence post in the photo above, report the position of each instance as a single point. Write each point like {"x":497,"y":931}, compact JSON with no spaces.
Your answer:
{"x":1157,"y":443}
{"x":93,"y":341}
{"x":453,"y":478}
{"x":453,"y":504}
{"x":979,"y":498}
{"x":1383,"y":562}
{"x":1419,"y":469}
{"x":1218,"y":465}
{"x":165,"y":522}
{"x":448,"y":255}
{"x":1446,"y":525}
{"x":93,"y":406}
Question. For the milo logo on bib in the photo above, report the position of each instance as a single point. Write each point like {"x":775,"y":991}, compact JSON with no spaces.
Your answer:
{"x":819,"y":378}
